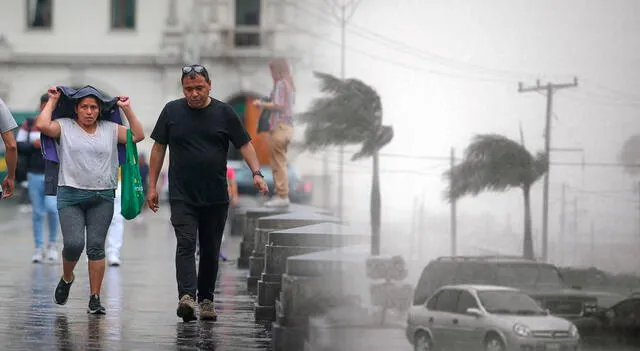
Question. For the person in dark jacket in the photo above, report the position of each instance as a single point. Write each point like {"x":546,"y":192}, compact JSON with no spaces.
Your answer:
{"x":44,"y":206}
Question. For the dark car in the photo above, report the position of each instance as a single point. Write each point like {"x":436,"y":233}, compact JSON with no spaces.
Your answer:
{"x":542,"y":281}
{"x":618,"y":325}
{"x":300,"y":189}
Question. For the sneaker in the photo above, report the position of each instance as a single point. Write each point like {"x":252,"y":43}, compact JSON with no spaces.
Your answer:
{"x":52,"y":253}
{"x":94,"y":305}
{"x":38,"y":256}
{"x":114,"y":261}
{"x":61,"y":295}
{"x":187,"y":309}
{"x":208,"y":310}
{"x":278,"y":202}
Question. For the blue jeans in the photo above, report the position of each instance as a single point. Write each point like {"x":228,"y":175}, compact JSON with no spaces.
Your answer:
{"x":43,"y":206}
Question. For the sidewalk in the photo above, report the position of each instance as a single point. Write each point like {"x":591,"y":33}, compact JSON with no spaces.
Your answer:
{"x":140,"y":297}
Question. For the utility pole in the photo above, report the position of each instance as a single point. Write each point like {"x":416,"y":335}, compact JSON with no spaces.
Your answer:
{"x":454,"y":214}
{"x":342,"y":10}
{"x":594,"y":260}
{"x":550,"y":88}
{"x":563,"y":221}
{"x":575,"y":225}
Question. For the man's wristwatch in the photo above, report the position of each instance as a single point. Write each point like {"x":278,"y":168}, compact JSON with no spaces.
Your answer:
{"x":258,"y":173}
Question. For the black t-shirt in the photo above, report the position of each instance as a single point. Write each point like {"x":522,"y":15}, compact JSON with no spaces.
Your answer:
{"x":198,"y":141}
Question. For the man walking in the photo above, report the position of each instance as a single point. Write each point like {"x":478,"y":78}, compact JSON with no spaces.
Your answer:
{"x":7,"y":125}
{"x":198,"y":129}
{"x":44,"y":206}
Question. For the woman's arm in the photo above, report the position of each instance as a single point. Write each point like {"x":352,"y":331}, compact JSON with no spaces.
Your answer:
{"x":136,"y":127}
{"x":277,"y":104}
{"x":43,"y":121}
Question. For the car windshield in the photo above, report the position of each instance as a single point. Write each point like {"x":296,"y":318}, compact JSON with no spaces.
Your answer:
{"x":528,"y":274}
{"x":509,"y":302}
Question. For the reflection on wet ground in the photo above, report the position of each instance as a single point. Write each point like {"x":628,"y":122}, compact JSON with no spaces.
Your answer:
{"x":140,"y":297}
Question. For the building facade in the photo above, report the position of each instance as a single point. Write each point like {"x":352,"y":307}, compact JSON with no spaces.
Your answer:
{"x":137,"y":48}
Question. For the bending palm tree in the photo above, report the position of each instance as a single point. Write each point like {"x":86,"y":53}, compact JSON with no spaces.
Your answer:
{"x":351,"y":113}
{"x":496,"y":163}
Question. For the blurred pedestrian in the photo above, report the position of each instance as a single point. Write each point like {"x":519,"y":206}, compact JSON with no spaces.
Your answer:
{"x":43,"y":206}
{"x":88,"y":178}
{"x":232,"y":188}
{"x":281,"y":127}
{"x":115,"y":235}
{"x":198,"y":130}
{"x":144,"y":176}
{"x":7,"y":125}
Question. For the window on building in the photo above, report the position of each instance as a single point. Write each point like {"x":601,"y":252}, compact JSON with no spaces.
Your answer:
{"x":247,"y":23}
{"x":39,"y":13}
{"x":123,"y":14}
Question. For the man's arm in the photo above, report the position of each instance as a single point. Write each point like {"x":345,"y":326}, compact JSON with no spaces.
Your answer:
{"x":249,"y":154}
{"x":155,"y":163}
{"x":11,"y":153}
{"x":7,"y":125}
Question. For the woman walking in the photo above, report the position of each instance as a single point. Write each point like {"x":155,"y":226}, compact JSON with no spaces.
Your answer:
{"x":87,"y":181}
{"x":281,"y":127}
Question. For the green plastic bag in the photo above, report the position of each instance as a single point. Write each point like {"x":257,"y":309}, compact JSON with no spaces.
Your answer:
{"x":132,"y":193}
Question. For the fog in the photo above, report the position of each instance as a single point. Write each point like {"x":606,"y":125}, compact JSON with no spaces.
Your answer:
{"x":447,"y":70}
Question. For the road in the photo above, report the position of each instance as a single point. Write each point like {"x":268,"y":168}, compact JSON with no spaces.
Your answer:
{"x":140,"y":297}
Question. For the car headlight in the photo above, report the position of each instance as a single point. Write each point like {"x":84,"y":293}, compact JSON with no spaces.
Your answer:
{"x":573,"y":331}
{"x":521,"y":330}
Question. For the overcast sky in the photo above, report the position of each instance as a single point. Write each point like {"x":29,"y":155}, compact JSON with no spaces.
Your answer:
{"x":449,"y":69}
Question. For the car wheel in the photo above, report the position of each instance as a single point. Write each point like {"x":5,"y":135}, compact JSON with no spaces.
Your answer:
{"x":493,"y":343}
{"x":422,"y":342}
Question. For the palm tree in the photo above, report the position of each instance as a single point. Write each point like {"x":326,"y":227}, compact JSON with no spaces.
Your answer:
{"x":350,"y":113}
{"x":630,"y":155}
{"x":495,"y":163}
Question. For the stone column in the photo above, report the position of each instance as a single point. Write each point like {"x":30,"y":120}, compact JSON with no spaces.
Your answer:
{"x":265,"y":226}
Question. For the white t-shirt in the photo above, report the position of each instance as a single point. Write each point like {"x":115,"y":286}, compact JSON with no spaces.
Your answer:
{"x":7,"y":122}
{"x":88,"y":161}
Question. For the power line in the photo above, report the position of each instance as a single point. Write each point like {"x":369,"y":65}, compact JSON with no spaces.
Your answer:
{"x":435,"y":58}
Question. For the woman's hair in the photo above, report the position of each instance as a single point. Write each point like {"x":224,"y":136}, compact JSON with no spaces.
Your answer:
{"x":281,"y":68}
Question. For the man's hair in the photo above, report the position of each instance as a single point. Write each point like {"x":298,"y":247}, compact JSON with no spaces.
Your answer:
{"x":44,"y":98}
{"x":193,"y":74}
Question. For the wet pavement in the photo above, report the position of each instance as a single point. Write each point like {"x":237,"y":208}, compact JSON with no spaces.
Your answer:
{"x":140,"y":297}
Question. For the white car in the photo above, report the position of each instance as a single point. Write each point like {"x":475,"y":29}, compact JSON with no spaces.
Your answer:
{"x":486,"y":317}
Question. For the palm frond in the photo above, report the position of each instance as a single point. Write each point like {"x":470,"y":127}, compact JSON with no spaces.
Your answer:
{"x":349,"y":113}
{"x":372,"y":145}
{"x":493,"y":163}
{"x":540,"y":166}
{"x":630,"y":155}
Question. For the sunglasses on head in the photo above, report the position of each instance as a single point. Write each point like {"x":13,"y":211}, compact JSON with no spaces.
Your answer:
{"x":193,"y":68}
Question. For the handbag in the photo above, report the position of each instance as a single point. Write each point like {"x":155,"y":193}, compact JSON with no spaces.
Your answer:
{"x":131,"y":192}
{"x":264,"y":120}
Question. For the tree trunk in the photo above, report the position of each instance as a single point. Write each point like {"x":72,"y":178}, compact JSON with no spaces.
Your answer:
{"x":527,"y":243}
{"x":375,"y":207}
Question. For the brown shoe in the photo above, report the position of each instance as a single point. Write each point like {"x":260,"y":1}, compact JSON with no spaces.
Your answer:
{"x":208,"y":310}
{"x":187,"y":309}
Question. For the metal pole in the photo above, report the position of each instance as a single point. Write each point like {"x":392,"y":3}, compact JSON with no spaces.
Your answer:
{"x":343,"y":27}
{"x":454,"y":215}
{"x":545,"y":194}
